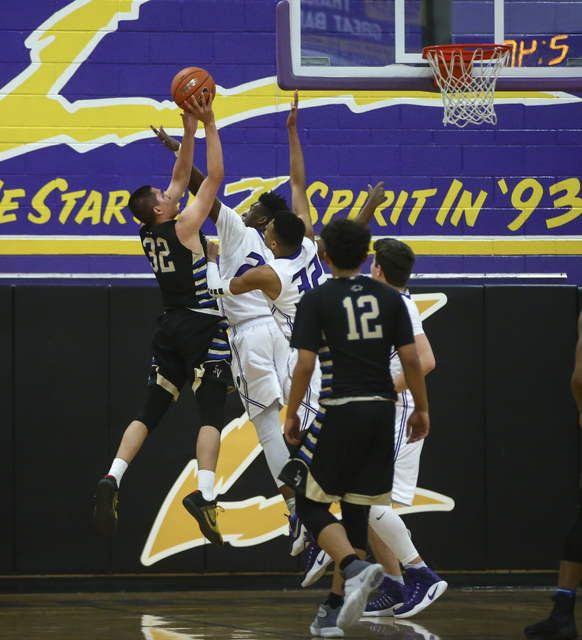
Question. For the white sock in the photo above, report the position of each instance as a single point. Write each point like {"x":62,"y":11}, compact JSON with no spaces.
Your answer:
{"x":268,"y":426}
{"x":392,"y":531}
{"x":417,"y":565}
{"x":398,"y":579}
{"x":206,"y":484}
{"x":291,"y":506}
{"x":118,"y":468}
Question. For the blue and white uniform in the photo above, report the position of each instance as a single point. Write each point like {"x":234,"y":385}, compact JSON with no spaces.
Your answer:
{"x":260,"y":353}
{"x":298,"y":273}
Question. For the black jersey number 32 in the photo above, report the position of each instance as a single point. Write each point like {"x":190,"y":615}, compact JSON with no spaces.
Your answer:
{"x":158,"y":252}
{"x":361,"y":316}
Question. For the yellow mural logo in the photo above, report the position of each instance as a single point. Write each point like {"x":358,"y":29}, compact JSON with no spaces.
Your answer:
{"x":34,"y":114}
{"x":258,"y":518}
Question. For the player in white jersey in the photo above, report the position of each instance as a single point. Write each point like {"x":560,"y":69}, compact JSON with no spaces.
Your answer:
{"x":390,"y":542}
{"x":295,"y":269}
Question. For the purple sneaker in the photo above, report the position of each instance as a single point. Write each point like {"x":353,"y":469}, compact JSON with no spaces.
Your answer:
{"x":393,"y":594}
{"x":424,"y":587}
{"x":317,"y":562}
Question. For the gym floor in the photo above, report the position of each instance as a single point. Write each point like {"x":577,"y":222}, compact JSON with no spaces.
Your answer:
{"x":461,"y":614}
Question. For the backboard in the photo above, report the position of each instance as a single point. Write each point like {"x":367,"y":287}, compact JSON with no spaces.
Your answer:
{"x":377,"y":44}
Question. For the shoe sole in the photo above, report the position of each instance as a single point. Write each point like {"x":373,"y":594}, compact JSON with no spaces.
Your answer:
{"x":381,"y":613}
{"x":207,"y":531}
{"x":311,"y":577}
{"x":329,"y":632}
{"x":354,"y":606}
{"x":441,"y":587}
{"x":104,"y":516}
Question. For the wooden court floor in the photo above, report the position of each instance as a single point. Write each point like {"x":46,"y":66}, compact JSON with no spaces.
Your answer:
{"x":257,"y":615}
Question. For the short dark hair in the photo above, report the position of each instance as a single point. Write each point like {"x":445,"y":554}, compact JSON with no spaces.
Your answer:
{"x":396,"y":259}
{"x":289,"y":229}
{"x":346,"y":242}
{"x":273,"y":202}
{"x":141,"y":204}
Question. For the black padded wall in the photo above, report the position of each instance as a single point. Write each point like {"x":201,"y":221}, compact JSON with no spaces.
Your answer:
{"x":453,"y":460}
{"x":61,"y":415}
{"x":6,"y":431}
{"x":503,"y":442}
{"x":531,"y":418}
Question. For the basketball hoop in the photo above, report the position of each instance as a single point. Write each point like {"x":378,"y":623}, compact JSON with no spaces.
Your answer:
{"x":466,"y":75}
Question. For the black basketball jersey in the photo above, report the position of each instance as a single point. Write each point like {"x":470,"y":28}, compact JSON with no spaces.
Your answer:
{"x":352,"y":324}
{"x":180,"y":273}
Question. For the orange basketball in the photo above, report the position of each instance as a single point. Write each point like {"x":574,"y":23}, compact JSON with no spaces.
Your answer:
{"x":192,"y":81}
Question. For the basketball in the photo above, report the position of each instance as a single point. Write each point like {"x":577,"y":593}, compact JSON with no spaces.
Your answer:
{"x":192,"y":81}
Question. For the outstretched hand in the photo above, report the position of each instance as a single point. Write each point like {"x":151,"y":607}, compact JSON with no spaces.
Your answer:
{"x":376,"y":194}
{"x":170,"y":143}
{"x":200,"y":110}
{"x":292,"y":119}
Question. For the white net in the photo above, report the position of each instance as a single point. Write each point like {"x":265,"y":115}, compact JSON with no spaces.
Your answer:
{"x":466,"y":79}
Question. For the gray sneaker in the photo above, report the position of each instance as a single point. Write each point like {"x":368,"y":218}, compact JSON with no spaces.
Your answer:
{"x":325,"y":623}
{"x":360,"y":579}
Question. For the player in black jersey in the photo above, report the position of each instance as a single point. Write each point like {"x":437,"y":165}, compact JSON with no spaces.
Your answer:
{"x":190,"y":342}
{"x":351,"y":322}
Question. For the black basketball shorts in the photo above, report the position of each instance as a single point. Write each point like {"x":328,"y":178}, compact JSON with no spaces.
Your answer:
{"x":347,"y":454}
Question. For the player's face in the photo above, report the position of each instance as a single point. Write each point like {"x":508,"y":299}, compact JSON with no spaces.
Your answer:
{"x":165,"y":203}
{"x":254,"y":217}
{"x":269,"y":235}
{"x":375,"y":271}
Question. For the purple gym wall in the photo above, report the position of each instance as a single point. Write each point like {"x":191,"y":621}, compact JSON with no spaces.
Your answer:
{"x":82,"y":82}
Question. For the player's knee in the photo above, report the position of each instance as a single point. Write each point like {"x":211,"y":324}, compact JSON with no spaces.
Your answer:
{"x":314,"y":515}
{"x":157,"y":403}
{"x":211,"y":397}
{"x":355,"y":520}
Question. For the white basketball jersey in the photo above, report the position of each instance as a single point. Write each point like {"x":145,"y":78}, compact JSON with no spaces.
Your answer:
{"x":298,"y":273}
{"x":395,"y":364}
{"x":241,"y":248}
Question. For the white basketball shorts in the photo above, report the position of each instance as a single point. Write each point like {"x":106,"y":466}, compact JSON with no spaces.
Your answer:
{"x":406,"y":457}
{"x":260,"y":358}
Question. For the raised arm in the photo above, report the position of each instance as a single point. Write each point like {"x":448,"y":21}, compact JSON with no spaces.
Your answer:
{"x":196,"y":176}
{"x":191,"y":219}
{"x":181,"y":171}
{"x":376,"y":197}
{"x":299,"y":201}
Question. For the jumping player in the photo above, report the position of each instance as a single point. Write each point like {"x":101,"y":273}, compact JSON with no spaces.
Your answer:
{"x":346,"y":456}
{"x":190,"y":341}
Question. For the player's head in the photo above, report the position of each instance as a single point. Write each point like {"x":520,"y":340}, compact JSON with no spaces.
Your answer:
{"x":263,"y":210}
{"x":393,"y":262}
{"x":284,"y":233}
{"x":346,"y":243}
{"x":150,"y":205}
